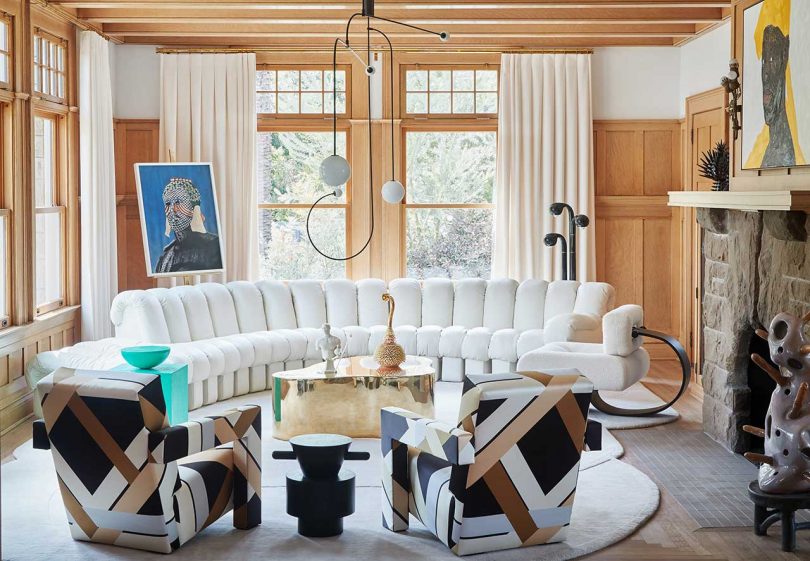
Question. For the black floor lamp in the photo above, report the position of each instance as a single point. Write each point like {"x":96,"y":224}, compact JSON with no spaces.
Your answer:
{"x":574,"y":221}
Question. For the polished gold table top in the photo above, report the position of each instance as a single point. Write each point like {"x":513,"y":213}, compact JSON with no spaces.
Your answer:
{"x":348,"y":402}
{"x":360,"y":367}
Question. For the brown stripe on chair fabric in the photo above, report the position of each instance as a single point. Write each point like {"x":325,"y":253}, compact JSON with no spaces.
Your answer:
{"x":508,"y":498}
{"x":140,"y":489}
{"x":80,"y":517}
{"x":224,"y":431}
{"x":572,"y":417}
{"x":153,"y":417}
{"x":245,"y":421}
{"x":542,"y":535}
{"x":484,"y":459}
{"x":103,"y":438}
{"x":220,"y":505}
{"x":544,"y":378}
{"x":58,"y":398}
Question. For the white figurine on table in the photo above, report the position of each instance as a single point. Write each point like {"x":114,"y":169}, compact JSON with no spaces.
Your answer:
{"x":329,"y":346}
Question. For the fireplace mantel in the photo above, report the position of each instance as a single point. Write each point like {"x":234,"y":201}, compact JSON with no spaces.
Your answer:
{"x":743,"y":200}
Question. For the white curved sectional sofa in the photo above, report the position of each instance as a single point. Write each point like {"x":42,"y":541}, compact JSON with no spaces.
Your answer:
{"x":235,"y":335}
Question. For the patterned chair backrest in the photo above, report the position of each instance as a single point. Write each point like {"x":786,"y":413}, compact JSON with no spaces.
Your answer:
{"x":528,"y":432}
{"x":98,"y":426}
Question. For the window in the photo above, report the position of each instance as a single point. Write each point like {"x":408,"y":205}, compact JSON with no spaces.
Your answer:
{"x":49,"y":67}
{"x":49,"y":242}
{"x":5,"y":224}
{"x":451,"y":91}
{"x":301,"y":92}
{"x":288,"y":165}
{"x":449,"y":203}
{"x":5,"y":52}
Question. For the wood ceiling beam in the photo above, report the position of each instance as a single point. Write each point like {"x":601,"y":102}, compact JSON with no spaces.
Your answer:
{"x":413,"y":5}
{"x":624,"y":17}
{"x":495,"y":44}
{"x":302,"y":29}
{"x":674,"y":15}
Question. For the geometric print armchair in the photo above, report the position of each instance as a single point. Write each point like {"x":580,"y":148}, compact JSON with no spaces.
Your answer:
{"x":127,"y":478}
{"x":504,"y":477}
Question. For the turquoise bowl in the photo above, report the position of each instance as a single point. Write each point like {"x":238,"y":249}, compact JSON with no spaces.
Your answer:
{"x":145,"y":357}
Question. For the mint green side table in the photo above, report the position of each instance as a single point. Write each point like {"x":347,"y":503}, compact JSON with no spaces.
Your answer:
{"x":174,"y":381}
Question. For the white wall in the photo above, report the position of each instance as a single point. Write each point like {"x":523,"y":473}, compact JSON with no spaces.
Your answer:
{"x":136,"y":82}
{"x":704,"y":61}
{"x":627,"y":82}
{"x":636,"y":83}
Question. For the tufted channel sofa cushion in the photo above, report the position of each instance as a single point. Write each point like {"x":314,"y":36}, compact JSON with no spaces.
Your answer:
{"x":235,"y":335}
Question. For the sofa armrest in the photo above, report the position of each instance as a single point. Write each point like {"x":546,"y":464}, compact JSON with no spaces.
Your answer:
{"x":439,"y":439}
{"x":617,"y":329}
{"x":179,"y":441}
{"x":582,"y":328}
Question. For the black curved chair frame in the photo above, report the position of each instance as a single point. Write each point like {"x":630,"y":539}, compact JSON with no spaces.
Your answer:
{"x":686,"y":373}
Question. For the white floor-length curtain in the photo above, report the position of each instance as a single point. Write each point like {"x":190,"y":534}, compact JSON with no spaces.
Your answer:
{"x":208,"y":114}
{"x":545,"y":155}
{"x":99,"y":270}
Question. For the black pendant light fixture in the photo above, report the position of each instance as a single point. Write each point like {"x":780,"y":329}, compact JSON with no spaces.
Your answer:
{"x":335,"y":169}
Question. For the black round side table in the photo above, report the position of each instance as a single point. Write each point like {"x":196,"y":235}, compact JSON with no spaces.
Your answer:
{"x":770,"y":508}
{"x":320,"y":494}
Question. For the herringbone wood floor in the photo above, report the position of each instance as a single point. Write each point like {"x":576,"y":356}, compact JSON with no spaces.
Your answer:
{"x":671,"y":534}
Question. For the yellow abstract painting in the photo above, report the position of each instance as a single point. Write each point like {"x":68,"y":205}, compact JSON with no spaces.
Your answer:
{"x":776,"y":84}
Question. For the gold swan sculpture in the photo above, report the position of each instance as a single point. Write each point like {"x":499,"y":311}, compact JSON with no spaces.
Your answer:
{"x":389,"y":355}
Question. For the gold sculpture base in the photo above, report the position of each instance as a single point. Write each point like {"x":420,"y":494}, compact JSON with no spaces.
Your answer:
{"x":307,"y":401}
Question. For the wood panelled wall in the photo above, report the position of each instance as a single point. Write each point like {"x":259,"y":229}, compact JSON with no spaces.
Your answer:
{"x":28,"y":333}
{"x":638,"y":237}
{"x":135,"y":141}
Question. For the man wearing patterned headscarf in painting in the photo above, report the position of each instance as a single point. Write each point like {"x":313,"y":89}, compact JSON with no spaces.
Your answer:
{"x":193,"y":249}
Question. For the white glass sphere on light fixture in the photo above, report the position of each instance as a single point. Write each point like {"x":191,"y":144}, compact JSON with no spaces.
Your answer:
{"x":393,"y":192}
{"x":335,"y":170}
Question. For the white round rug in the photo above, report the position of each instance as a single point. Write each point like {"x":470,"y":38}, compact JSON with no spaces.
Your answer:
{"x":613,"y":499}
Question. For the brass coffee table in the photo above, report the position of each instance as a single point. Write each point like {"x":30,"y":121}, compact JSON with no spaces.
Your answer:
{"x":307,"y":401}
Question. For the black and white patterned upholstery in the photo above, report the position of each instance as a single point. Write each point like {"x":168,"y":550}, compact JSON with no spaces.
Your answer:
{"x":129,"y":479}
{"x":505,"y":477}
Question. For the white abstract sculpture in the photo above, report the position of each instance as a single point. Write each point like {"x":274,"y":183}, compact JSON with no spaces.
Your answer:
{"x":329,"y":346}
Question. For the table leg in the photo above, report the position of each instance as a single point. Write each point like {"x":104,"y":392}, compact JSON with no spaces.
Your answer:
{"x":760,"y":514}
{"x":788,"y":530}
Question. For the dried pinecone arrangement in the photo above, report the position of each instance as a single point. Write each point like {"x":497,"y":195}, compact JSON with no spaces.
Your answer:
{"x":785,"y":465}
{"x":714,"y":165}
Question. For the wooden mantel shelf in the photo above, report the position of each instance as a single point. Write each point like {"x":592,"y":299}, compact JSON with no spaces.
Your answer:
{"x":742,"y":200}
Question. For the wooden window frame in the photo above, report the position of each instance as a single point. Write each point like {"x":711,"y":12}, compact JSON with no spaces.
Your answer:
{"x":403,"y":94}
{"x":59,"y":118}
{"x":448,"y":125}
{"x":6,"y":185}
{"x":273,"y":117}
{"x":5,"y":19}
{"x":307,"y":125}
{"x":41,"y":69}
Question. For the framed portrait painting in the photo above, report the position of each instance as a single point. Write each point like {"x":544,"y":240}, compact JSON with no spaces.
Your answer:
{"x":179,"y":219}
{"x":776,"y":84}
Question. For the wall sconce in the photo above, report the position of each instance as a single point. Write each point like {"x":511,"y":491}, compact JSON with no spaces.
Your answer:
{"x":731,"y":83}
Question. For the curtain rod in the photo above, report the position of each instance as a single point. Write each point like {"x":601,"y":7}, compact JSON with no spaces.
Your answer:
{"x":213,"y":50}
{"x":63,"y":15}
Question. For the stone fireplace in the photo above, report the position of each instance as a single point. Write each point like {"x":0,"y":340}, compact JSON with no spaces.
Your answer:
{"x":755,"y":265}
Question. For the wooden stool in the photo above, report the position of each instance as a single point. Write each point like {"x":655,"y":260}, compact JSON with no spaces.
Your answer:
{"x":770,"y":508}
